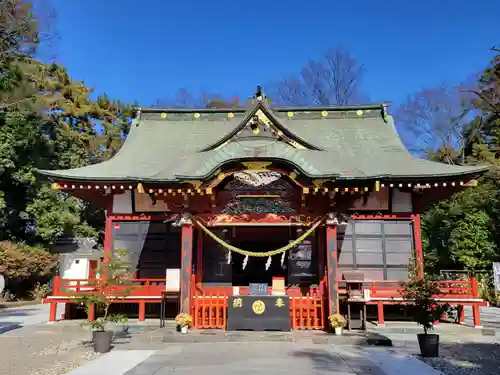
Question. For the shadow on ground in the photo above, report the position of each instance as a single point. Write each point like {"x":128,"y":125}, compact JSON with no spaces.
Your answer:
{"x":9,"y":326}
{"x":325,"y":361}
{"x":18,"y":312}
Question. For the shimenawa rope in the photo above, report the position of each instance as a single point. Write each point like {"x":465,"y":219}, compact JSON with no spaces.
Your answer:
{"x":261,"y":253}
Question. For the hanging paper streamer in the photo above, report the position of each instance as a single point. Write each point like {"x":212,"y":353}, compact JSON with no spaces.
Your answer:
{"x":268,"y":263}
{"x":245,"y":261}
{"x":229,"y":257}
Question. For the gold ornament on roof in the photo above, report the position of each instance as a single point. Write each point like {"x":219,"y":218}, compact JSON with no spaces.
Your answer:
{"x":163,"y":115}
{"x":196,"y":115}
{"x":359,"y":112}
{"x":230,"y":115}
{"x":324,"y":113}
{"x":257,"y":166}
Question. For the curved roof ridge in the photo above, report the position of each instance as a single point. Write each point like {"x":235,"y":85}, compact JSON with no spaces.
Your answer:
{"x":276,"y":122}
{"x":242,"y":109}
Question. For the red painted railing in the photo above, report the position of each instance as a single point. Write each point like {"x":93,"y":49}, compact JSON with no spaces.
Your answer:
{"x":129,"y":288}
{"x":307,"y":312}
{"x":392,"y":289}
{"x":209,"y":307}
{"x":209,"y":311}
{"x":307,"y":306}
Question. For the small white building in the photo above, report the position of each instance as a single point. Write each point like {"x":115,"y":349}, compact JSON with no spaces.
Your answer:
{"x":78,"y":258}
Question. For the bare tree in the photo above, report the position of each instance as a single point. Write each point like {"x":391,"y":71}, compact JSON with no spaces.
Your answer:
{"x":333,"y":79}
{"x":48,"y":35}
{"x":26,"y":25}
{"x":432,"y":121}
{"x":184,"y":99}
{"x":487,"y":95}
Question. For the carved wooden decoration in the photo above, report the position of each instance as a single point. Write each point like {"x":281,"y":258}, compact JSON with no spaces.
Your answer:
{"x":257,"y":178}
{"x":144,"y":203}
{"x":374,"y":201}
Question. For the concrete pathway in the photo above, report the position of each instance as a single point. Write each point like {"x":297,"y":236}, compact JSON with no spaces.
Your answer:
{"x":255,"y":358}
{"x":114,"y":363}
{"x":490,"y":316}
{"x":16,"y":317}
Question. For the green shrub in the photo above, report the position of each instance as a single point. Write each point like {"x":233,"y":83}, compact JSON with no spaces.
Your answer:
{"x":20,"y":261}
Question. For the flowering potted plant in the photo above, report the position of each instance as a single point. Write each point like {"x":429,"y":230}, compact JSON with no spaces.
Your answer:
{"x":184,"y":321}
{"x":337,"y":322}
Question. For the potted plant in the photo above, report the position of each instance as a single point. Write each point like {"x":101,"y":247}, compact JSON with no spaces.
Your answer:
{"x":421,"y":296}
{"x":100,"y":337}
{"x":110,"y":286}
{"x":337,"y":322}
{"x":118,"y":324}
{"x":184,"y":321}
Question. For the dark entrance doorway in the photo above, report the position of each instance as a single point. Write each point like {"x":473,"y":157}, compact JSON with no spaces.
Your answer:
{"x":255,"y":270}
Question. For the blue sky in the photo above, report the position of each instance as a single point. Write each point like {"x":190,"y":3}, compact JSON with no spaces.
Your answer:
{"x":146,"y":50}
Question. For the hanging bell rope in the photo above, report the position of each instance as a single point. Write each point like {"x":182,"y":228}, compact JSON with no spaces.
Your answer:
{"x":258,"y":253}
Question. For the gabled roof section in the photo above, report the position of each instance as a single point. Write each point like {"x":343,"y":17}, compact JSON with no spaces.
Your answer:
{"x":265,"y":115}
{"x":337,"y":143}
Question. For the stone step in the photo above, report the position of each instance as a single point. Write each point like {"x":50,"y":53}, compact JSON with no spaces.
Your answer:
{"x":204,"y":336}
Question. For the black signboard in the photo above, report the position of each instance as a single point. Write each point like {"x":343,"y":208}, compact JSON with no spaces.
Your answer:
{"x":301,"y":263}
{"x":258,"y":313}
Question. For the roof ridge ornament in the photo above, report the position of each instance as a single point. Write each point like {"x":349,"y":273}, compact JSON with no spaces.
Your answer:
{"x":385,"y":112}
{"x":259,"y":95}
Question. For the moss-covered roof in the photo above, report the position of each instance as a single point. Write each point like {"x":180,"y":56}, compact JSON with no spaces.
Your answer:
{"x":343,"y":143}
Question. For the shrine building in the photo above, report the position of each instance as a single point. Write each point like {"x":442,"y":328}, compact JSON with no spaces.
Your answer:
{"x":316,"y":196}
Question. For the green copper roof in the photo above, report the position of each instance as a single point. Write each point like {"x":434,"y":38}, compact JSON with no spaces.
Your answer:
{"x":342,"y":143}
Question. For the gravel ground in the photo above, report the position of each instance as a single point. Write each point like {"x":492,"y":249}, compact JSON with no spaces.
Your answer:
{"x":44,"y":350}
{"x":458,"y":354}
{"x":471,"y":358}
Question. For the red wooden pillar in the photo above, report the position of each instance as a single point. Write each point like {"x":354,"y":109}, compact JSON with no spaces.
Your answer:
{"x":53,"y":312}
{"x":476,"y":312}
{"x":186,"y":264}
{"x":91,"y":312}
{"x":331,"y":263}
{"x":142,"y":311}
{"x":108,"y":239}
{"x":321,"y":255}
{"x":461,"y":314}
{"x":199,"y":256}
{"x":419,"y":255}
{"x":380,"y":314}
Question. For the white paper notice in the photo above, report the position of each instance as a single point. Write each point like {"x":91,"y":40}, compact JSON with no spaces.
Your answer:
{"x":173,"y":283}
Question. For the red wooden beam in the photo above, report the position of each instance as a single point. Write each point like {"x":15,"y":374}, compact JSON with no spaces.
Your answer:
{"x":199,"y":256}
{"x":331,"y":261}
{"x":419,"y":254}
{"x":186,"y":266}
